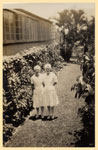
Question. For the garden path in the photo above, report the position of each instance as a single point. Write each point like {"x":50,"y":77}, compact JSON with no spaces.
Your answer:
{"x":60,"y":131}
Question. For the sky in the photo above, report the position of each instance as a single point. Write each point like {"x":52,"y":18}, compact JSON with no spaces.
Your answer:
{"x":47,"y":10}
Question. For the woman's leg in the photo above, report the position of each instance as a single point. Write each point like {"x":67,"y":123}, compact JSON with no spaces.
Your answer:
{"x":42,"y":112}
{"x":52,"y":112}
{"x":48,"y":112}
{"x":37,"y":115}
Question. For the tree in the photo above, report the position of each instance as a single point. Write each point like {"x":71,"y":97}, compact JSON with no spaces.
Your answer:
{"x":71,"y":21}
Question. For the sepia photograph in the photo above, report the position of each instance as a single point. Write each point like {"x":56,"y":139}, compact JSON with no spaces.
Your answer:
{"x":48,"y":75}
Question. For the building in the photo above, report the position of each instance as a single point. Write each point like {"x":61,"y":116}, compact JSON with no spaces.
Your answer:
{"x":23,"y":30}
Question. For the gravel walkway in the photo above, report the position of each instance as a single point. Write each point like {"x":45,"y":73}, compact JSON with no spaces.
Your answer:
{"x":60,"y":131}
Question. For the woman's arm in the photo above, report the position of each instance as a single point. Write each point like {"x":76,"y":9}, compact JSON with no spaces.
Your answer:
{"x":32,"y":83}
{"x":43,"y":84}
{"x":43,"y":81}
{"x":55,"y":80}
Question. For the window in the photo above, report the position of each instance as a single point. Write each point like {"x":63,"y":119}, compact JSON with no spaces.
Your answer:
{"x":20,"y":28}
{"x":19,"y":24}
{"x":9,"y":26}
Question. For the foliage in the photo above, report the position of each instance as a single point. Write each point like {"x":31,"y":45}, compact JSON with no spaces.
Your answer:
{"x":75,"y":27}
{"x":85,"y":86}
{"x":71,"y":17}
{"x":70,"y":23}
{"x":17,"y":89}
{"x":66,"y":51}
{"x":86,"y":136}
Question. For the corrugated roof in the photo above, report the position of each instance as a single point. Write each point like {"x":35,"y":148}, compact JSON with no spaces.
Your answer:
{"x":29,"y":14}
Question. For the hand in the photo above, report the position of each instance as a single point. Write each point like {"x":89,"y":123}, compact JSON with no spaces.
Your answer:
{"x":43,"y":84}
{"x":54,"y":83}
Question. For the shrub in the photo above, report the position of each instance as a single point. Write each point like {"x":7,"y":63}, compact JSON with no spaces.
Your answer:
{"x":85,"y":88}
{"x":17,"y":89}
{"x":66,"y":51}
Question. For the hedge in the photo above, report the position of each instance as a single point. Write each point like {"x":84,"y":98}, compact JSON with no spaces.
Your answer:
{"x":17,"y":89}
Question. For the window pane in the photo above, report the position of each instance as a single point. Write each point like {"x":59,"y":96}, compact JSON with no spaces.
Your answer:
{"x":12,"y":37}
{"x":12,"y":29}
{"x":9,"y":25}
{"x":20,"y":30}
{"x":7,"y":29}
{"x":17,"y":36}
{"x":17,"y":23}
{"x":17,"y":30}
{"x":7,"y":36}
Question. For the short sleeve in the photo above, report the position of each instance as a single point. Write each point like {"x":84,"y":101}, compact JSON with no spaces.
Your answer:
{"x":55,"y":78}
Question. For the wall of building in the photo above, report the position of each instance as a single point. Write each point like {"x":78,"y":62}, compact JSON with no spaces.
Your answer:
{"x":22,"y":31}
{"x":13,"y":49}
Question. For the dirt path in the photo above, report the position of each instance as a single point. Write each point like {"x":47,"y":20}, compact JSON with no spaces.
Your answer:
{"x":58,"y":132}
